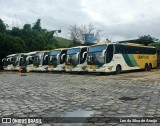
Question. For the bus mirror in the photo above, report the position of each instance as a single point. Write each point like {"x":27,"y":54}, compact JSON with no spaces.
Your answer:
{"x":11,"y":59}
{"x":3,"y":59}
{"x":32,"y":58}
{"x":20,"y":59}
{"x":103,"y":53}
{"x":84,"y":54}
{"x":67,"y":58}
{"x":57,"y":56}
{"x":45,"y":57}
{"x":27,"y":58}
{"x":77,"y":55}
{"x":40,"y":57}
{"x":50,"y":58}
{"x":62,"y":56}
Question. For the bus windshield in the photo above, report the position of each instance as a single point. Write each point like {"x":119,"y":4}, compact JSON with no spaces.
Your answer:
{"x":53,"y":57}
{"x":30,"y":59}
{"x":95,"y":56}
{"x":73,"y":51}
{"x":38,"y":59}
{"x":72,"y":58}
{"x":9,"y":60}
{"x":55,"y":52}
{"x":97,"y":48}
{"x":15,"y":60}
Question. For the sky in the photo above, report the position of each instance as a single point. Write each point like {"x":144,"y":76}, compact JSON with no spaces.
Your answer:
{"x":118,"y":19}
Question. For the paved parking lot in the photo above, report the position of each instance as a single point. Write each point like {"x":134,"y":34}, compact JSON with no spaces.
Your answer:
{"x":51,"y":95}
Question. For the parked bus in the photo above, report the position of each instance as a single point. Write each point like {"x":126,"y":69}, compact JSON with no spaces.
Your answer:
{"x":29,"y":60}
{"x":76,"y":59}
{"x":57,"y":59}
{"x":116,"y":57}
{"x":17,"y":60}
{"x":40,"y":62}
{"x":8,"y":62}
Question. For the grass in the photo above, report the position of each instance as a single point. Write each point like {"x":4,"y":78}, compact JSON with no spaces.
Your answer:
{"x":64,"y":43}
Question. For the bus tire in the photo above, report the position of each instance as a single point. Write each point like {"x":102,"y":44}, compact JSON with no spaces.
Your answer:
{"x":118,"y":69}
{"x":146,"y":67}
{"x":150,"y":67}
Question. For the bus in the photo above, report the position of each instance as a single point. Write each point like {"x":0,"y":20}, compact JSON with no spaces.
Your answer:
{"x":57,"y":59}
{"x":8,"y":62}
{"x":17,"y":60}
{"x":118,"y":57}
{"x":76,"y":59}
{"x":29,"y":57}
{"x":40,"y":62}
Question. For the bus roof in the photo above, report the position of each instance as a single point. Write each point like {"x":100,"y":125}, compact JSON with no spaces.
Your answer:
{"x":79,"y":47}
{"x":126,"y":43}
{"x":135,"y":44}
{"x":11,"y":55}
{"x":30,"y":53}
{"x":44,"y":51}
{"x":60,"y":49}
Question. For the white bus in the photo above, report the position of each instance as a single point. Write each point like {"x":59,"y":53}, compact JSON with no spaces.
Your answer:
{"x":8,"y":62}
{"x":29,"y":60}
{"x":40,"y":62}
{"x":57,"y":59}
{"x":17,"y":60}
{"x":116,"y":57}
{"x":76,"y":59}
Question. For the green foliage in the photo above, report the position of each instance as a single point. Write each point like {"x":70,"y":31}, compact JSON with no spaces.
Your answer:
{"x":29,"y":39}
{"x":10,"y":45}
{"x":147,"y":39}
{"x":37,"y":25}
{"x":64,"y":43}
{"x":2,"y":26}
{"x":27,"y":28}
{"x":157,"y":45}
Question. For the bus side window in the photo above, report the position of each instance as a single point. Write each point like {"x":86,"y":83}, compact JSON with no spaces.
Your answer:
{"x":118,"y":49}
{"x":82,"y":59}
{"x":64,"y":56}
{"x":45,"y":58}
{"x":109,"y":55}
{"x":152,"y":51}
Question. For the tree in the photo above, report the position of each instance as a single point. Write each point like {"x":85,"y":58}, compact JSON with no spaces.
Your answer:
{"x":146,"y":39}
{"x":10,"y":45}
{"x":76,"y":32}
{"x":27,"y":39}
{"x":16,"y":32}
{"x":2,"y":26}
{"x":37,"y":25}
{"x":27,"y":27}
{"x":38,"y":43}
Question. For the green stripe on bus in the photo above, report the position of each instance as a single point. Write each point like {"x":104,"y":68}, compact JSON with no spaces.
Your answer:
{"x":132,"y":60}
{"x":129,"y":59}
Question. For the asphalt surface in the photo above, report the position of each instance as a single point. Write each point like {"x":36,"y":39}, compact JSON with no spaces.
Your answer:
{"x":130,"y":94}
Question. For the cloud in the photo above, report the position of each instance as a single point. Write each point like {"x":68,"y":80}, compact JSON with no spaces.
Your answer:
{"x":120,"y":19}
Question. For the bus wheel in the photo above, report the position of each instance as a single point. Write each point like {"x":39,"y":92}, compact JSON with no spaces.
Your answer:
{"x":118,"y":69}
{"x":150,"y":67}
{"x":146,"y":67}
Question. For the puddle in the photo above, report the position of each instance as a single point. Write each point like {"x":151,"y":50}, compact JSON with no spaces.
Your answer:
{"x":128,"y":98}
{"x":77,"y":113}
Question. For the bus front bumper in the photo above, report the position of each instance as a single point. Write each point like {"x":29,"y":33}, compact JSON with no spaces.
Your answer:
{"x":59,"y":68}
